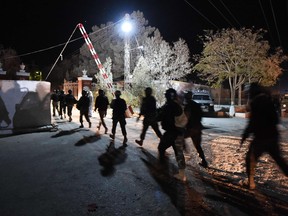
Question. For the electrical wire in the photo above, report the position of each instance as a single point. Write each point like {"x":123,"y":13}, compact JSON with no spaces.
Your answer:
{"x":221,"y":13}
{"x":231,"y":14}
{"x":266,"y":21}
{"x":201,"y":14}
{"x":276,"y":26}
{"x":59,"y":45}
{"x":60,"y":55}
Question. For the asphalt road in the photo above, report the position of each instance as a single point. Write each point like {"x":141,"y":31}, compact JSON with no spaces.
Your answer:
{"x":75,"y":172}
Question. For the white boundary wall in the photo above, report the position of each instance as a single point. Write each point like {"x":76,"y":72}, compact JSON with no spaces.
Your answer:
{"x":24,"y":104}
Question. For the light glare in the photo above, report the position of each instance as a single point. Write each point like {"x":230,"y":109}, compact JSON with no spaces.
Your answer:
{"x":126,"y":27}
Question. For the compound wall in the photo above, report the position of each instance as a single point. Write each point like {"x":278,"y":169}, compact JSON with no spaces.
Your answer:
{"x":24,"y":104}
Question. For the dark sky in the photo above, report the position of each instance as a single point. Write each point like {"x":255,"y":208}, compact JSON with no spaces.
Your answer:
{"x":30,"y":26}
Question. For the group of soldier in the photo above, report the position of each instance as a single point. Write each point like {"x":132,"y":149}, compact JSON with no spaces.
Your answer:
{"x":61,"y":102}
{"x":180,"y":118}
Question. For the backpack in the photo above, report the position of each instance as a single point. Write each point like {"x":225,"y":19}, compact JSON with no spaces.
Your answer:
{"x":181,"y":120}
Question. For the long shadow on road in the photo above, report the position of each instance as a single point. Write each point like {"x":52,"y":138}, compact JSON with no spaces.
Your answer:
{"x":187,"y":200}
{"x":66,"y":132}
{"x":88,"y":139}
{"x":251,"y":202}
{"x":111,"y":157}
{"x":221,"y":196}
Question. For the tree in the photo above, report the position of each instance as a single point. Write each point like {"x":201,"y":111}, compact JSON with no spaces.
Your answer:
{"x":238,"y":56}
{"x":108,"y":41}
{"x":11,"y":62}
{"x":165,"y":62}
{"x":100,"y":80}
{"x":141,"y":78}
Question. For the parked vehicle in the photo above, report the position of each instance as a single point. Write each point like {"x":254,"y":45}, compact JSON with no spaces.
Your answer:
{"x":204,"y":98}
{"x":284,"y":103}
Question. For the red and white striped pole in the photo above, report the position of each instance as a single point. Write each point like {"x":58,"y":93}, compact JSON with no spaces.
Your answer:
{"x":95,"y":57}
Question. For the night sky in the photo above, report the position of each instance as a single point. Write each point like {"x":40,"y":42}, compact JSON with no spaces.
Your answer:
{"x":31,"y":26}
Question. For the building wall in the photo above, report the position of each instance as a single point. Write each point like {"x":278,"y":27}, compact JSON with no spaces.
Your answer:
{"x":24,"y":104}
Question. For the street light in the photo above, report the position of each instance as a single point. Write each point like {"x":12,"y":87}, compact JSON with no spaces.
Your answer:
{"x":126,"y":27}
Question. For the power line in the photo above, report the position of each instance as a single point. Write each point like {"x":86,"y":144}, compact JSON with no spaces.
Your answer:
{"x":60,"y":55}
{"x":221,"y":13}
{"x":201,"y":14}
{"x":276,"y":26}
{"x":230,"y":13}
{"x":266,"y":21}
{"x":58,"y":45}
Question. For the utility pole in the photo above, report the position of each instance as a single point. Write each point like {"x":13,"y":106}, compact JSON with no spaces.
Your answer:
{"x":126,"y":27}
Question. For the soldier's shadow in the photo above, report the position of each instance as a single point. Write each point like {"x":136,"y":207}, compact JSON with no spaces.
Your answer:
{"x":186,"y":199}
{"x":112,"y":157}
{"x":189,"y":201}
{"x":88,"y":139}
{"x":66,"y":132}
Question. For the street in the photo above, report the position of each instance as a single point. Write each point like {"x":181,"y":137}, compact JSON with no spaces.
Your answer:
{"x":75,"y":171}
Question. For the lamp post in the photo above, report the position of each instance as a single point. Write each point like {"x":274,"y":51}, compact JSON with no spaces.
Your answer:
{"x":127,"y":27}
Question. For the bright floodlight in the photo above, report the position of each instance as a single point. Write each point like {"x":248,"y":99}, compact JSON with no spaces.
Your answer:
{"x":126,"y":27}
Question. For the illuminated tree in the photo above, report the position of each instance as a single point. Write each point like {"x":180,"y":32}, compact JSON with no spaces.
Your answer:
{"x":163,"y":63}
{"x":11,"y":62}
{"x":141,"y":78}
{"x":108,"y":41}
{"x":238,"y":56}
{"x":166,"y":62}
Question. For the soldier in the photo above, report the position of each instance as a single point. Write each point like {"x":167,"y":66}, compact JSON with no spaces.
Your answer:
{"x":55,"y":101}
{"x":263,"y":125}
{"x":194,"y":126}
{"x":83,"y":105}
{"x":174,"y":133}
{"x":101,"y":103}
{"x":149,"y":111}
{"x":119,"y":107}
{"x":62,"y":103}
{"x":70,"y":101}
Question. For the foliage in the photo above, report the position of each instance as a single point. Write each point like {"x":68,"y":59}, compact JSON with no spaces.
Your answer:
{"x":72,"y":67}
{"x":36,"y":75}
{"x":108,"y":41}
{"x":99,"y":78}
{"x":141,"y":78}
{"x":238,"y":56}
{"x":158,"y":60}
{"x":167,"y":62}
{"x":10,"y":62}
{"x":130,"y":99}
{"x":160,"y":64}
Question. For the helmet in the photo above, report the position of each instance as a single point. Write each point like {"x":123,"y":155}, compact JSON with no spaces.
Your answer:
{"x":117,"y":93}
{"x":100,"y":92}
{"x":84,"y":92}
{"x":86,"y":88}
{"x":148,"y":91}
{"x":170,"y":94}
{"x":188,"y":95}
